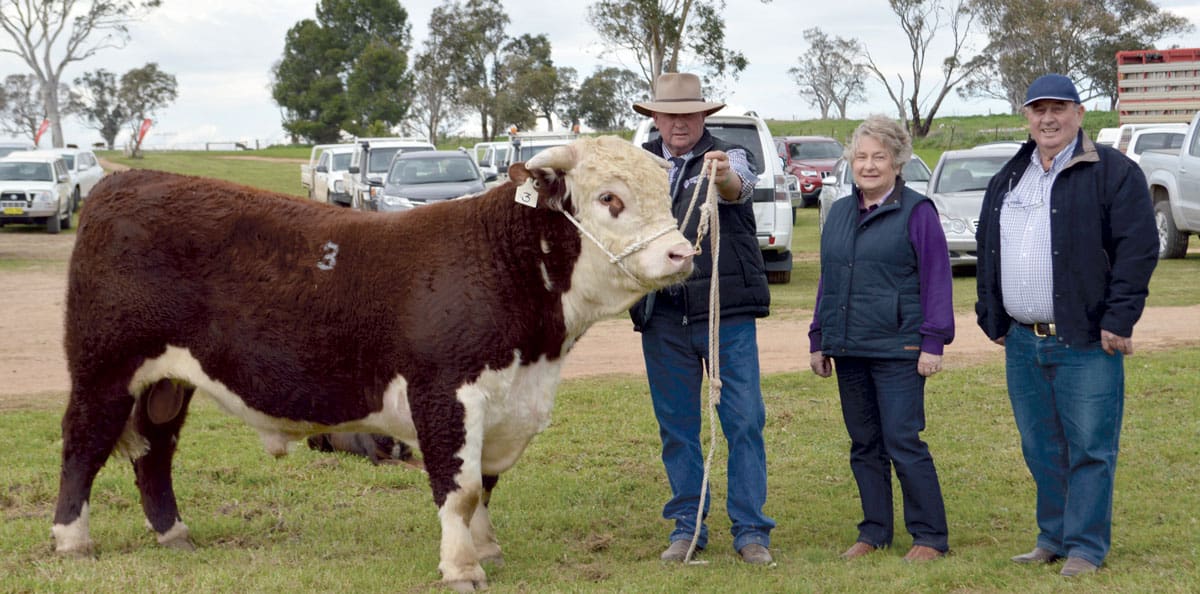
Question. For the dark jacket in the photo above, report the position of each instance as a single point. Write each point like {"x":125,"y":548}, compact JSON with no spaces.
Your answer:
{"x":1104,"y":244}
{"x":870,"y":285}
{"x":743,"y":278}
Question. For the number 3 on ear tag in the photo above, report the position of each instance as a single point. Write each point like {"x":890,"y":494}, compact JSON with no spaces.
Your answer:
{"x":526,"y":195}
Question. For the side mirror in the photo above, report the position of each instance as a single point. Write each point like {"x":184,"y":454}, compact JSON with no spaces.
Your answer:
{"x":490,"y":176}
{"x":322,"y":169}
{"x":353,"y":169}
{"x":378,"y":183}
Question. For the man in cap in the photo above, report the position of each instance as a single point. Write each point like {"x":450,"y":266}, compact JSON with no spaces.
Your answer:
{"x":1066,"y":244}
{"x":674,"y":328}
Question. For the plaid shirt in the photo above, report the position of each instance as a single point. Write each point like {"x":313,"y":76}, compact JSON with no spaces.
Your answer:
{"x":737,"y":162}
{"x":1026,"y":268}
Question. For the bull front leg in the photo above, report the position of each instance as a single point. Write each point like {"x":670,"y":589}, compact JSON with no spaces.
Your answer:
{"x":451,"y":439}
{"x":483,"y":534}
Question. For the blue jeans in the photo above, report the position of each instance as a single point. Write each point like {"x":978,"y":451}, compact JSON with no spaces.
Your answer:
{"x":675,"y":358}
{"x":883,"y":405}
{"x":1068,"y":403}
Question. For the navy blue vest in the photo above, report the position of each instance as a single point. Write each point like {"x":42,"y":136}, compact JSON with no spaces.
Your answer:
{"x":743,"y":277}
{"x":870,"y":292}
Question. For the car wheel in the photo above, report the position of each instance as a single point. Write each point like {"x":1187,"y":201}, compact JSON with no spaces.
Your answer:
{"x":66,"y":221}
{"x":779,"y":277}
{"x":1171,"y":243}
{"x":53,"y":224}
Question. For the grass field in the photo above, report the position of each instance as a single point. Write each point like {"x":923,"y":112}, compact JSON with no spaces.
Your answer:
{"x":581,"y":511}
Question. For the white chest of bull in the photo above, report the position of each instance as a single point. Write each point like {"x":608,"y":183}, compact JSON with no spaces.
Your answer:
{"x":505,"y":408}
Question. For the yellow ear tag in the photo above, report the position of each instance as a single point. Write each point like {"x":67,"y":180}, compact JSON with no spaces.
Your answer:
{"x":526,"y":194}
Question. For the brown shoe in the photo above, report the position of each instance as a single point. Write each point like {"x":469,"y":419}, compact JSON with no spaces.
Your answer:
{"x":756,"y":554}
{"x":859,"y":549}
{"x":1037,"y":555}
{"x":677,"y":552}
{"x":1077,"y":566}
{"x":922,"y":553}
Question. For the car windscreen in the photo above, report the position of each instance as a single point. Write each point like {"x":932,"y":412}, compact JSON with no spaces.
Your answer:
{"x":914,"y":171}
{"x":816,"y":150}
{"x":21,"y":171}
{"x":70,"y":159}
{"x":745,"y":135}
{"x":341,"y":161}
{"x":432,"y":171}
{"x":382,"y":157}
{"x":968,"y":174}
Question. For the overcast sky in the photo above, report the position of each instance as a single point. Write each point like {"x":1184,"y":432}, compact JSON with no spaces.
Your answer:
{"x":221,"y":52}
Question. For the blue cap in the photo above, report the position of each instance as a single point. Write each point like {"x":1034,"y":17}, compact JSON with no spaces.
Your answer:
{"x":1052,"y":86}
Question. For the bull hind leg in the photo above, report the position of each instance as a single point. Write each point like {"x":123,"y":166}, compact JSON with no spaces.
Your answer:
{"x":159,"y":416}
{"x":95,"y":418}
{"x":483,"y":534}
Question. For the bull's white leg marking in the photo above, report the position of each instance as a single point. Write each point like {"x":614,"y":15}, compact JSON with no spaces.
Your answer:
{"x":73,"y":537}
{"x":329,"y":260}
{"x":176,"y":537}
{"x":459,"y":559}
{"x":483,"y":535}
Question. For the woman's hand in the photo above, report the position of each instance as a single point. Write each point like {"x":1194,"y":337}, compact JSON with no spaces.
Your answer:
{"x":820,"y":364}
{"x":929,"y":364}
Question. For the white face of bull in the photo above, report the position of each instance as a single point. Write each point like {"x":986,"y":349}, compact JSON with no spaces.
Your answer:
{"x":621,"y":198}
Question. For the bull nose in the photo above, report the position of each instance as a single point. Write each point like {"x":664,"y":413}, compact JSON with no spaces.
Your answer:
{"x":681,"y":253}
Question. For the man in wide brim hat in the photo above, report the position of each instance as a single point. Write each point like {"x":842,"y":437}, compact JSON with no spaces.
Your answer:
{"x":677,"y":92}
{"x":670,"y":319}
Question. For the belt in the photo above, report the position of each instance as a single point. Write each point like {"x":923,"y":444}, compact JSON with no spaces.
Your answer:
{"x":1040,"y":329}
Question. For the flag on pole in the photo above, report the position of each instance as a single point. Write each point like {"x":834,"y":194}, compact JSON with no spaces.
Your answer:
{"x":146,"y":123}
{"x":41,"y":130}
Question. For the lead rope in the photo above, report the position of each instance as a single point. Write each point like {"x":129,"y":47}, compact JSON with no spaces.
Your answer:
{"x":712,"y":225}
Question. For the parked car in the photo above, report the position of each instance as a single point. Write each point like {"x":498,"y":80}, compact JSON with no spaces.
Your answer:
{"x":84,"y":168}
{"x":840,"y":183}
{"x":10,"y":146}
{"x":523,"y":146}
{"x":491,"y":156}
{"x":1125,"y":133}
{"x":772,"y":200}
{"x":1174,"y":180}
{"x":328,"y":183}
{"x":956,"y":187}
{"x":1108,"y":136}
{"x":418,"y":178}
{"x":369,"y":164}
{"x":308,"y":171}
{"x":1148,"y":139}
{"x":35,"y":189}
{"x":809,"y":158}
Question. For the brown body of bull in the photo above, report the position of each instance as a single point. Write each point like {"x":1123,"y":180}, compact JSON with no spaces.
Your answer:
{"x":444,"y":326}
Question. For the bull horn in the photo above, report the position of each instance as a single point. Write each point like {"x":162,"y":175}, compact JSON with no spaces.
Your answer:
{"x":558,"y":157}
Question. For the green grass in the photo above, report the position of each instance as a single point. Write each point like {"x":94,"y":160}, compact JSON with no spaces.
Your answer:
{"x":278,"y":176}
{"x":580,"y":512}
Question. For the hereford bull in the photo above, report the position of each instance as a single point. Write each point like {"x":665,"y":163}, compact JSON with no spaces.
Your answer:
{"x":445,"y":326}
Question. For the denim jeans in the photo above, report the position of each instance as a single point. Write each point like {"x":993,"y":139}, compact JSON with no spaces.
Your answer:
{"x":883,"y":405}
{"x":1068,"y":403}
{"x":675,"y":357}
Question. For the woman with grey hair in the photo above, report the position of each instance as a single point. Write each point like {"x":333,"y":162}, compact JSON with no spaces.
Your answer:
{"x":884,"y":313}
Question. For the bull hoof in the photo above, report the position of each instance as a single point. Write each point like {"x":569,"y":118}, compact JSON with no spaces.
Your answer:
{"x":467,"y":586}
{"x":86,"y":553}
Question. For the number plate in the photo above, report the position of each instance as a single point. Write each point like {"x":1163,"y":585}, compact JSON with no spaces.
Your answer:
{"x":10,"y":210}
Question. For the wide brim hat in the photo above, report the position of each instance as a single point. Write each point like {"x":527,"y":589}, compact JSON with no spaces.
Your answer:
{"x":676,"y":93}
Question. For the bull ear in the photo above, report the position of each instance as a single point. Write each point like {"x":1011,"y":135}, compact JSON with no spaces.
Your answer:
{"x":558,"y":157}
{"x":550,"y":184}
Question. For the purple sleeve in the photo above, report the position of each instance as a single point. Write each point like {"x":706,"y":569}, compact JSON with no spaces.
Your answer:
{"x":933,"y":268}
{"x":814,"y":329}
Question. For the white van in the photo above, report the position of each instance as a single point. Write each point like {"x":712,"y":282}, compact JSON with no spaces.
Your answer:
{"x":772,"y":198}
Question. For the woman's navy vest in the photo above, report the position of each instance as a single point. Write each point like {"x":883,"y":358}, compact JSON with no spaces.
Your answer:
{"x":871,"y":293}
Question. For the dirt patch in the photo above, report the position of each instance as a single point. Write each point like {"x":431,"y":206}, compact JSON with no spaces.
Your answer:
{"x":33,"y":371}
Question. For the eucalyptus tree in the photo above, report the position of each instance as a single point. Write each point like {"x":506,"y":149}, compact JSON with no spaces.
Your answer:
{"x":662,"y":33}
{"x":50,"y":35}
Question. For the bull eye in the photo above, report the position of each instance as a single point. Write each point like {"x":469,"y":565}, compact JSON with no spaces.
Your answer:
{"x":613,"y":202}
